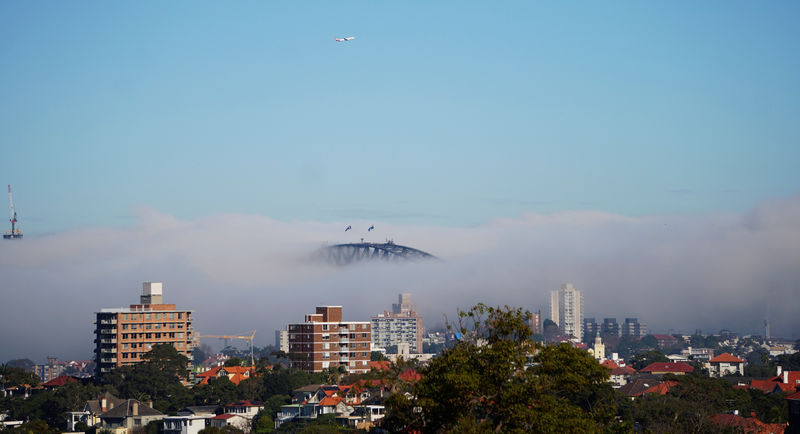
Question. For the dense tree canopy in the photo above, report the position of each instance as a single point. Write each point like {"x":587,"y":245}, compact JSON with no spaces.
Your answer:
{"x":498,"y":379}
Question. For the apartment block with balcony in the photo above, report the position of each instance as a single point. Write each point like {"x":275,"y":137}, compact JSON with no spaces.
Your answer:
{"x":324,"y":341}
{"x":124,"y":335}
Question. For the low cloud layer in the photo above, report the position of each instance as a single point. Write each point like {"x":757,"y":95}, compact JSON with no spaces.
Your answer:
{"x":244,"y":272}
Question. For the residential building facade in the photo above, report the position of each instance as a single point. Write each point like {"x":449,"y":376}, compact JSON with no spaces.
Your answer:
{"x":324,"y":341}
{"x":566,"y":310}
{"x":632,"y":327}
{"x":400,"y":326}
{"x":590,"y":328}
{"x":282,"y":340}
{"x":610,"y":327}
{"x":124,"y":335}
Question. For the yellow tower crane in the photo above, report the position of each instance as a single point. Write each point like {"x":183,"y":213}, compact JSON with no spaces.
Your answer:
{"x":246,"y":338}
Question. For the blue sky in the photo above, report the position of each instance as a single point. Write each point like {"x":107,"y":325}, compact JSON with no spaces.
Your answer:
{"x":443,"y":113}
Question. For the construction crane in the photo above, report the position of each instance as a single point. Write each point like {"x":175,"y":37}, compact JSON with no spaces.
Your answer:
{"x":246,"y":338}
{"x":15,"y":233}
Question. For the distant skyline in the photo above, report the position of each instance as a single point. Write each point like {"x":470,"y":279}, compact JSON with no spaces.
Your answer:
{"x":439,"y":113}
{"x":646,"y":152}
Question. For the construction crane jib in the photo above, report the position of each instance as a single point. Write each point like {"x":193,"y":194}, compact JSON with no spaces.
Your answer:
{"x":246,"y":338}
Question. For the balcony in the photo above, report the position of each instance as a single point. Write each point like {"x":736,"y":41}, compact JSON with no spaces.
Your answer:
{"x":344,"y":340}
{"x":344,"y":359}
{"x":108,"y":331}
{"x":109,"y":360}
{"x":108,"y":350}
{"x":108,"y":341}
{"x":108,"y":321}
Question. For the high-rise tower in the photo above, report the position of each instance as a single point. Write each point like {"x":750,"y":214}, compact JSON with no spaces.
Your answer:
{"x":566,"y":310}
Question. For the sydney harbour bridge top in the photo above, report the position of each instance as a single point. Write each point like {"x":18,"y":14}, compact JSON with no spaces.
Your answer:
{"x":344,"y":254}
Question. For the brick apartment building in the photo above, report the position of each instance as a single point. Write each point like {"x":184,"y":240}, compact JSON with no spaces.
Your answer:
{"x":124,"y":335}
{"x":325,"y":341}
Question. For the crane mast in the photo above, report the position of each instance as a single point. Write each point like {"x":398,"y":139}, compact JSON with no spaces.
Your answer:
{"x":15,"y":233}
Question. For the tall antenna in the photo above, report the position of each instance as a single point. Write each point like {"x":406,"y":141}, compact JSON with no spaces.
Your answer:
{"x":15,"y":232}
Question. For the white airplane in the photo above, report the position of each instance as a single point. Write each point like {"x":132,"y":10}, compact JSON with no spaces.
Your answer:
{"x":349,"y":38}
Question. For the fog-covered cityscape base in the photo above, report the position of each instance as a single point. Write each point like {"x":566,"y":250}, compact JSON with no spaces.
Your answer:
{"x":242,"y":272}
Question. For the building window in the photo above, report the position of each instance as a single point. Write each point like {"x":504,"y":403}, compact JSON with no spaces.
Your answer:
{"x":325,"y":327}
{"x":180,"y":315}
{"x":148,"y":316}
{"x":124,"y":316}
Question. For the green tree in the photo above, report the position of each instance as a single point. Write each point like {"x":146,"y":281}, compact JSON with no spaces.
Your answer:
{"x":14,"y":375}
{"x":377,"y":356}
{"x":642,"y":360}
{"x":263,"y":423}
{"x":158,"y":378}
{"x":496,"y":378}
{"x":234,"y":361}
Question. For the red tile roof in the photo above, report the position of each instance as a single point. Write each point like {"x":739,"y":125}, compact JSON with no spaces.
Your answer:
{"x":224,"y":416}
{"x":792,"y":376}
{"x":624,"y":370}
{"x":60,"y":381}
{"x":331,"y":400}
{"x":794,"y":396}
{"x":235,"y":374}
{"x":384,"y":365}
{"x":665,"y":337}
{"x":668,"y":367}
{"x":747,"y":424}
{"x":610,"y":364}
{"x":661,"y":388}
{"x":726,"y":358}
{"x":410,"y":375}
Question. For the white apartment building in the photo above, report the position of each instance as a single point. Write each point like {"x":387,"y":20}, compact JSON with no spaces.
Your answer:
{"x":566,"y":310}
{"x":400,"y":326}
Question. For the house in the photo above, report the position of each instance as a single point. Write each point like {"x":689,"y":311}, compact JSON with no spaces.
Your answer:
{"x":200,"y":410}
{"x":364,"y":415}
{"x":666,"y":341}
{"x":637,"y":387}
{"x":246,"y":409}
{"x":234,"y":420}
{"x":661,"y":368}
{"x":785,"y":381}
{"x":660,"y":388}
{"x":725,"y":364}
{"x":304,"y":393}
{"x":621,"y":375}
{"x":92,"y":411}
{"x":701,"y":354}
{"x":236,"y":374}
{"x":185,"y":424}
{"x":327,"y":399}
{"x":190,"y":420}
{"x":131,"y":415}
